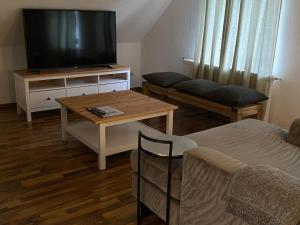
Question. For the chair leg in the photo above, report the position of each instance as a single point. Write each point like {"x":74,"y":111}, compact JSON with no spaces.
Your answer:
{"x":144,"y":210}
{"x":138,"y":211}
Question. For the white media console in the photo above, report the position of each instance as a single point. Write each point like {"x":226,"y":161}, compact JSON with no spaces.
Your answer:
{"x":38,"y":91}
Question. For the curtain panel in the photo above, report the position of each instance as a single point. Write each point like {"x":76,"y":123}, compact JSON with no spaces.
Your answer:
{"x":236,"y":42}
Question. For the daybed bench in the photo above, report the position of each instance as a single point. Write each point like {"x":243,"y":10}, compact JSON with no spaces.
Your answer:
{"x":233,"y":101}
{"x":201,"y":180}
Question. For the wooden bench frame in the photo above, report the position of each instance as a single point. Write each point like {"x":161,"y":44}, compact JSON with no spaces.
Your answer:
{"x":234,"y":113}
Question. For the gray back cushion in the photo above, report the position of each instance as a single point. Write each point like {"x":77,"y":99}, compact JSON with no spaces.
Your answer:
{"x":197,"y":87}
{"x":294,"y":133}
{"x":233,"y":95}
{"x":165,"y":79}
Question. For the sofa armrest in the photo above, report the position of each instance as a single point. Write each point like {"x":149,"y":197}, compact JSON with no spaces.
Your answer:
{"x":206,"y":177}
{"x":214,"y":158}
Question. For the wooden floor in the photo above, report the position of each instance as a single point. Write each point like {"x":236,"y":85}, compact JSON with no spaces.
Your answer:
{"x":44,"y":180}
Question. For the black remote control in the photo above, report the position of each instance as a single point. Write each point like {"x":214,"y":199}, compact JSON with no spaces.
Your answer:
{"x":97,"y":112}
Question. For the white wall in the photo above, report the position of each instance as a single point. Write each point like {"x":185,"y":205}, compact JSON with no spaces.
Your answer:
{"x":285,"y":105}
{"x":171,"y":38}
{"x":134,"y":19}
{"x":130,"y":54}
{"x":11,"y":58}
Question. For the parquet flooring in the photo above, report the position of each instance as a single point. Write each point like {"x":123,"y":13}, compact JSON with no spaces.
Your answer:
{"x":44,"y":180}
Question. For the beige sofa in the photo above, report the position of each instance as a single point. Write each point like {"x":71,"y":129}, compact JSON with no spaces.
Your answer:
{"x":201,"y":179}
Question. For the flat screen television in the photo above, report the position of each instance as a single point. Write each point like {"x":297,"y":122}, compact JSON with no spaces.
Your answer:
{"x":69,"y":38}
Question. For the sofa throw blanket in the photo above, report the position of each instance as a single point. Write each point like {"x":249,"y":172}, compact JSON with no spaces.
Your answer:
{"x":264,"y":195}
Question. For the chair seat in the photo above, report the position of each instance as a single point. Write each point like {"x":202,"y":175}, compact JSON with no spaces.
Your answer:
{"x":180,"y":145}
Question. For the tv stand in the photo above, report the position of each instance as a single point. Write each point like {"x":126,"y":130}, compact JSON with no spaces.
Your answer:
{"x":35,"y":71}
{"x":37,"y":91}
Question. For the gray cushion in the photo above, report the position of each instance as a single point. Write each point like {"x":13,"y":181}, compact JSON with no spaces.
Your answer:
{"x":165,"y":79}
{"x":197,"y":87}
{"x":294,"y":133}
{"x":233,"y":95}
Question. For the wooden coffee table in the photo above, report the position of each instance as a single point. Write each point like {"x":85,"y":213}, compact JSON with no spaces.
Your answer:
{"x":108,"y":136}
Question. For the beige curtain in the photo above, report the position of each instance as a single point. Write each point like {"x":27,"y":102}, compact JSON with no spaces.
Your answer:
{"x":236,"y":42}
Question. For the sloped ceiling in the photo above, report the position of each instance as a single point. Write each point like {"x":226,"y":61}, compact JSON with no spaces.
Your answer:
{"x":134,"y":17}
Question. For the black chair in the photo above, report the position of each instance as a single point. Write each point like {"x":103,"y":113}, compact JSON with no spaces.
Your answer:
{"x":148,"y":151}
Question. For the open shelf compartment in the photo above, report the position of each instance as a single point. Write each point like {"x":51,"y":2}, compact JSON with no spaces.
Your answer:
{"x":113,"y":78}
{"x":119,"y":138}
{"x":42,"y":85}
{"x":82,"y":81}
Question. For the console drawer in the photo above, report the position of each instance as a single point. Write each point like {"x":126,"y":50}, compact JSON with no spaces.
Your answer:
{"x":44,"y":99}
{"x":122,"y":86}
{"x":82,"y":91}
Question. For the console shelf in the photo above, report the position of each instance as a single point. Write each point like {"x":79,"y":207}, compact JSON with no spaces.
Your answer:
{"x":82,"y":81}
{"x":37,"y":92}
{"x":43,"y":85}
{"x":113,"y":78}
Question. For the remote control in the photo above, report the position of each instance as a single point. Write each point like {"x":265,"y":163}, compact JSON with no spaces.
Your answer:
{"x":98,"y":112}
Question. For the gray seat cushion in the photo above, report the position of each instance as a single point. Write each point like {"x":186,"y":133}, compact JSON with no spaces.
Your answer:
{"x":197,"y":87}
{"x":180,"y":145}
{"x":155,"y":170}
{"x":233,"y":95}
{"x":165,"y":79}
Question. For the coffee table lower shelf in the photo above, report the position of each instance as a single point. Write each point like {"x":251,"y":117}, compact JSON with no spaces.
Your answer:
{"x":119,"y":138}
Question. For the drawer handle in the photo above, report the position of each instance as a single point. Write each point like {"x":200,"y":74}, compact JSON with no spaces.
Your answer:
{"x":48,"y":99}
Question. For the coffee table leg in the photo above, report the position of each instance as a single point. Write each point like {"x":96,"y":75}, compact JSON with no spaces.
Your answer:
{"x":64,"y":121}
{"x":101,"y":147}
{"x":169,"y":128}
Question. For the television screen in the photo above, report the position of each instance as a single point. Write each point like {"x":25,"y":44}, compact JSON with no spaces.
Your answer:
{"x":69,"y":38}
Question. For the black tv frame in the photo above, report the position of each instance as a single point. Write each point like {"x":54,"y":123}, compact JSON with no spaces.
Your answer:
{"x":38,"y":70}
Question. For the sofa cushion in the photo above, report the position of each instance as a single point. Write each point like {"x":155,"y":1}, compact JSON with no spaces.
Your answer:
{"x":253,"y":142}
{"x":294,"y":133}
{"x":197,"y":87}
{"x":233,"y":95}
{"x":165,"y":79}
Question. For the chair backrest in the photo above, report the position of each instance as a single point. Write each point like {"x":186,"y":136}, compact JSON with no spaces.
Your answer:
{"x":148,"y":151}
